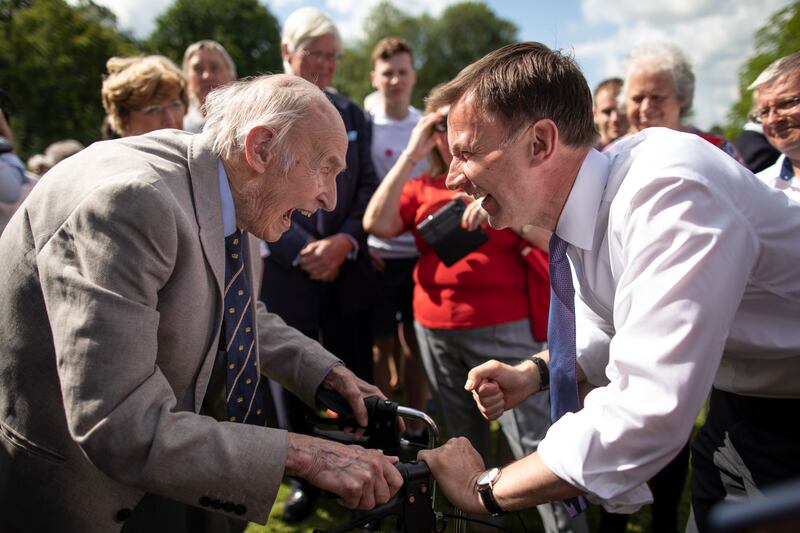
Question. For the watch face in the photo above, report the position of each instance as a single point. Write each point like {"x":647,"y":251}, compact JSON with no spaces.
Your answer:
{"x":488,"y":477}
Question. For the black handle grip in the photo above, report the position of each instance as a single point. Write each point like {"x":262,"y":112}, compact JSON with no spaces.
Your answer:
{"x":381,"y":430}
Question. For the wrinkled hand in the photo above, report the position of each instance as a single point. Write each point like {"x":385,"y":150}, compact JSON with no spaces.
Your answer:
{"x":456,"y":466}
{"x":353,"y":389}
{"x":474,"y":215}
{"x":423,"y":137}
{"x":322,"y":259}
{"x":361,"y":478}
{"x":498,"y":387}
{"x":378,"y":264}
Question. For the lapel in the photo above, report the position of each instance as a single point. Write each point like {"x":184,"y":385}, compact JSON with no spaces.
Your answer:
{"x":204,"y":182}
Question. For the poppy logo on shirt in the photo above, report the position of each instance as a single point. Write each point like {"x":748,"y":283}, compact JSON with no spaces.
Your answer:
{"x":389,"y":152}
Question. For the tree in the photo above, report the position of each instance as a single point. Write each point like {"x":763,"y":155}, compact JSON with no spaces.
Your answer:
{"x":780,"y":36}
{"x":247,"y":30}
{"x":440,"y":49}
{"x":52,"y":59}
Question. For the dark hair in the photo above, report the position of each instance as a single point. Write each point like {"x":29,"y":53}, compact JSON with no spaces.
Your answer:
{"x":613,"y":84}
{"x":391,"y":46}
{"x":525,"y":82}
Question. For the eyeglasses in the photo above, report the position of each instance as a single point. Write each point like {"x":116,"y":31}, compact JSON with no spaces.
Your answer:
{"x":157,"y":110}
{"x":441,"y":126}
{"x":781,"y":108}
{"x":319,"y":56}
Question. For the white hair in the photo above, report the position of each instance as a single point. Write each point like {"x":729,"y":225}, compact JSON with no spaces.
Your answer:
{"x":665,"y":57}
{"x":275,"y":101}
{"x":302,"y":26}
{"x":777,"y":69}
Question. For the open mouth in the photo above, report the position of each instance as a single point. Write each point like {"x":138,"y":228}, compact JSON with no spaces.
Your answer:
{"x":487,"y":200}
{"x":287,"y":216}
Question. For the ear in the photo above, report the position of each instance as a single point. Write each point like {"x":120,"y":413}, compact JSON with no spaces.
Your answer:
{"x":258,"y":148}
{"x":542,"y":139}
{"x":372,"y":79}
{"x":285,"y":51}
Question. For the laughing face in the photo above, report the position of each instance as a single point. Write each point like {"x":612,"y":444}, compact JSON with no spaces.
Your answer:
{"x":265,"y":203}
{"x":780,"y":113}
{"x":652,"y":100}
{"x":500,"y":176}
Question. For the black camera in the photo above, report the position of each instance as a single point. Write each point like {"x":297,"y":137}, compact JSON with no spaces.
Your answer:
{"x":443,"y":232}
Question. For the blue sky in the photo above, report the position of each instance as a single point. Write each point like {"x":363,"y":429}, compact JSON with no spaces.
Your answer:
{"x":716,"y":35}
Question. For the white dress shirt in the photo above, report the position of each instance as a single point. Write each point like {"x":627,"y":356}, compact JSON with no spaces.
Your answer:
{"x":781,"y":176}
{"x":688,"y":276}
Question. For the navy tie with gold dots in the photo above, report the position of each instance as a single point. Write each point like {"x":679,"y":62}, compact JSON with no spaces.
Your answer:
{"x":241,"y":367}
{"x":561,"y":344}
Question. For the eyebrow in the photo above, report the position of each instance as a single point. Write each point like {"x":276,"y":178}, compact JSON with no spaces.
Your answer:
{"x":336,"y":162}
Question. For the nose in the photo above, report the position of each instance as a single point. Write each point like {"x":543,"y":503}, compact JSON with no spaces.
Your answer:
{"x":171,"y":119}
{"x":455,"y":178}
{"x":327,"y":197}
{"x":771,"y":117}
{"x":648,"y":106}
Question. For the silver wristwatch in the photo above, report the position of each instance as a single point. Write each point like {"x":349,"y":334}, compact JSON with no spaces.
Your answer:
{"x":485,"y":484}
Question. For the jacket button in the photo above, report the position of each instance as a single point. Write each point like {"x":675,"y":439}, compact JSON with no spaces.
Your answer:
{"x":240,"y":509}
{"x":122,"y":515}
{"x":216,"y":504}
{"x":205,"y":501}
{"x":229,"y":507}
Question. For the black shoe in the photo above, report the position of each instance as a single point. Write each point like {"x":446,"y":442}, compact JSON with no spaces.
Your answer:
{"x":299,"y":505}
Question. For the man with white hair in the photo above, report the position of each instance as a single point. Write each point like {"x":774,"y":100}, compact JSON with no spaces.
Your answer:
{"x":318,"y":276}
{"x":206,"y":66}
{"x":777,"y":109}
{"x":131,"y":288}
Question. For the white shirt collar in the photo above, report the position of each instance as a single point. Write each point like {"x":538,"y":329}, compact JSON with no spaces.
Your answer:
{"x":226,"y":198}
{"x":578,"y":218}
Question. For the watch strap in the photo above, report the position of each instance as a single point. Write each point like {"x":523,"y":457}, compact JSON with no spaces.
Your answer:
{"x":487,"y":497}
{"x":544,"y":372}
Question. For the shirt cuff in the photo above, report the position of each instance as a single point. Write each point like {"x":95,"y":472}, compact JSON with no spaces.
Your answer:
{"x":352,"y":254}
{"x":561,"y":454}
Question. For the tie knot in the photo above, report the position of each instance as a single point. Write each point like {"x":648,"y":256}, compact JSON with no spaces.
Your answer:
{"x":558,"y":249}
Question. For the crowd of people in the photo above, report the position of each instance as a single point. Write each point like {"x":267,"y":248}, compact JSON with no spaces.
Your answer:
{"x":178,"y":294}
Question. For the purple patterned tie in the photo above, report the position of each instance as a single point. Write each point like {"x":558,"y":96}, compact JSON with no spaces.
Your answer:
{"x":561,"y":343}
{"x":241,"y":368}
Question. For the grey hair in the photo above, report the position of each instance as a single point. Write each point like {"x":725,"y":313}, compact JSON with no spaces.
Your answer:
{"x":303,"y":25}
{"x":665,"y":57}
{"x":207,"y":44}
{"x":275,"y":101}
{"x":777,"y":69}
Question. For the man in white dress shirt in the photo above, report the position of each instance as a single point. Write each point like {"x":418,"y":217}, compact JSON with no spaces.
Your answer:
{"x":686,"y":280}
{"x":777,"y":109}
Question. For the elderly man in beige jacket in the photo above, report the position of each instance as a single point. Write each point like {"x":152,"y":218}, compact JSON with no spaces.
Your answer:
{"x":114,"y":304}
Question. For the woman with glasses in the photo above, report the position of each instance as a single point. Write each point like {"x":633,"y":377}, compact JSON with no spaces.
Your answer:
{"x":143,"y":94}
{"x":490,"y":304}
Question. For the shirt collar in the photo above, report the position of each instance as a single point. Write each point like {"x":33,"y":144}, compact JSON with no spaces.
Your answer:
{"x":578,"y":218}
{"x":228,"y":209}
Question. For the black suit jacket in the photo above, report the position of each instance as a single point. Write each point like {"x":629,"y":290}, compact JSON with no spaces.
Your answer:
{"x":287,"y":290}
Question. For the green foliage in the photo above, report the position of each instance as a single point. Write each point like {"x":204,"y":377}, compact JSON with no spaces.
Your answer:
{"x":247,"y":30}
{"x":440,"y":47}
{"x":780,"y":36}
{"x":52,"y":58}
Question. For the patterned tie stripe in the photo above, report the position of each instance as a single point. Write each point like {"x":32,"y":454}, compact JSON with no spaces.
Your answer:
{"x":242,"y":371}
{"x":561,"y":343}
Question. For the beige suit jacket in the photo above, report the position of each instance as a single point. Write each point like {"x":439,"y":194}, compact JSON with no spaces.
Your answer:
{"x":112,"y":308}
